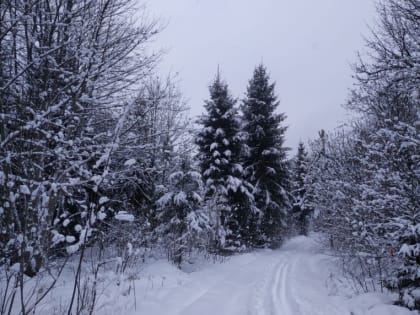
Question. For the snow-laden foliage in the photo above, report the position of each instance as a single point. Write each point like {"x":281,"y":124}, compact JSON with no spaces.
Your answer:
{"x":183,"y":223}
{"x":67,"y":73}
{"x":367,"y":180}
{"x":266,"y":167}
{"x":228,"y":195}
{"x":302,"y":198}
{"x":154,"y":128}
{"x":96,"y":159}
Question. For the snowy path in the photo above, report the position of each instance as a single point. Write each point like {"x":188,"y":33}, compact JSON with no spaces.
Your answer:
{"x":295,"y":285}
{"x":282,"y":282}
{"x":294,"y":280}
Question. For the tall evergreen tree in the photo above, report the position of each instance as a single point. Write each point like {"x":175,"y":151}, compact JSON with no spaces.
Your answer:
{"x":220,"y":144}
{"x":301,"y":198}
{"x":266,"y":165}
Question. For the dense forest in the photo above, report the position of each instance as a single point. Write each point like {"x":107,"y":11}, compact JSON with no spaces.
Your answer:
{"x":99,"y":158}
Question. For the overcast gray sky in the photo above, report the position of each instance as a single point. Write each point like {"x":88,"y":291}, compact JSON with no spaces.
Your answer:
{"x":307,"y":46}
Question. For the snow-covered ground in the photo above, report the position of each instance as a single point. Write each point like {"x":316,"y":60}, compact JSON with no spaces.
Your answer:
{"x":297,"y":279}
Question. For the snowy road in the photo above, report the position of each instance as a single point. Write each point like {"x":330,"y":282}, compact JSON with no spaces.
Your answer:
{"x":283,"y":282}
{"x":294,"y":280}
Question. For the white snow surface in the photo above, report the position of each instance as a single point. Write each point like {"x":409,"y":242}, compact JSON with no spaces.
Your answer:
{"x":130,"y":162}
{"x":124,"y":216}
{"x":297,"y":279}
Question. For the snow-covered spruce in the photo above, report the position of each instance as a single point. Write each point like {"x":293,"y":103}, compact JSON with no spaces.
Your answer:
{"x":265,"y":163}
{"x":228,"y":196}
{"x":183,"y":223}
{"x":302,"y":197}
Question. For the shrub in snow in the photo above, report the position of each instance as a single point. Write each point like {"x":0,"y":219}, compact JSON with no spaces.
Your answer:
{"x":183,"y":223}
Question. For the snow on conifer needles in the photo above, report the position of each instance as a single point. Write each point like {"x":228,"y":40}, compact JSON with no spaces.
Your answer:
{"x":101,"y":171}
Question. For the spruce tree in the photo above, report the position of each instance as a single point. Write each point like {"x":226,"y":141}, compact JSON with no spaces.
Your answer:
{"x":265,"y":164}
{"x":228,"y":196}
{"x":301,"y":207}
{"x":183,"y":224}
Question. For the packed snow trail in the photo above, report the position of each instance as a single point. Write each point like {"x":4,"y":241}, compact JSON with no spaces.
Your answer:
{"x":296,"y":279}
{"x":282,"y":282}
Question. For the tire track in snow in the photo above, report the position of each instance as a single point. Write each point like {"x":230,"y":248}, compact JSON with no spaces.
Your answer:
{"x":257,"y":305}
{"x":289,"y":281}
{"x":271,"y":295}
{"x":215,"y":295}
{"x":281,"y":301}
{"x":315,"y":303}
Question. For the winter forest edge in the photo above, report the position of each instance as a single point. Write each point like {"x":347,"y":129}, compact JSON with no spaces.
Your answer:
{"x":101,"y":166}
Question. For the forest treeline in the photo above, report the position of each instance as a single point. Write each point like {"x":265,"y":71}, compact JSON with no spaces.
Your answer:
{"x":97,"y":152}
